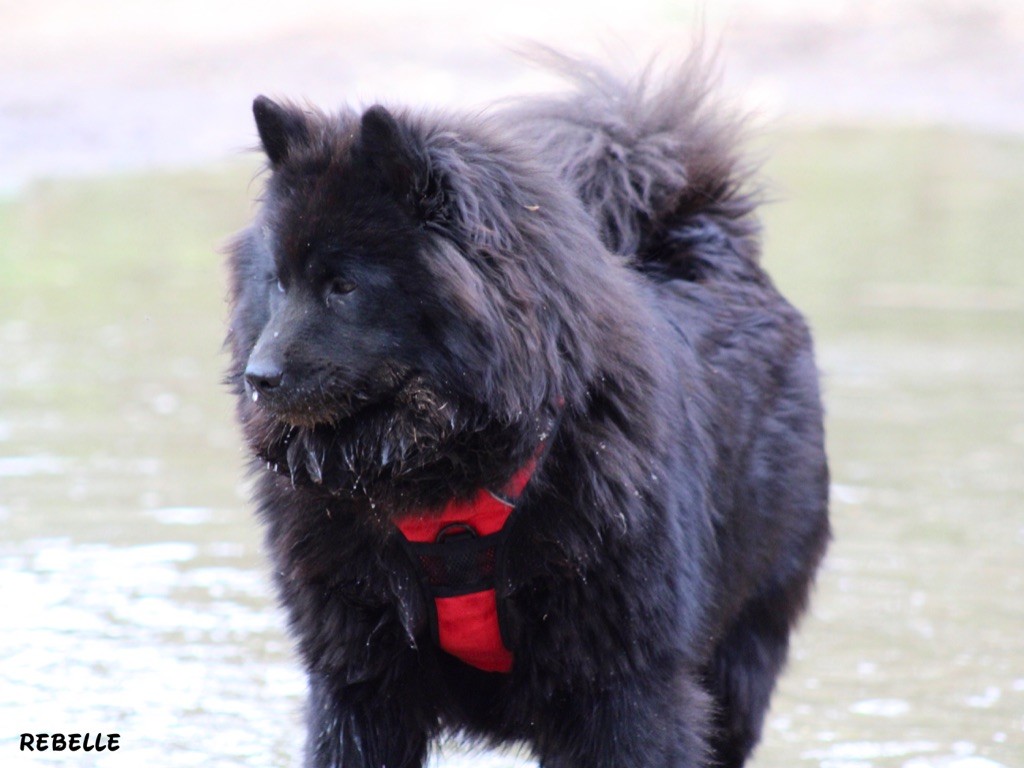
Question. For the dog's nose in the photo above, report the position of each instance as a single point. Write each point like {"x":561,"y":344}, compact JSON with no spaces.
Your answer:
{"x":263,"y":378}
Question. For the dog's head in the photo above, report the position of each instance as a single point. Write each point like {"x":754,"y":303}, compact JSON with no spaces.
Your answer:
{"x":352,"y":312}
{"x":398,"y":291}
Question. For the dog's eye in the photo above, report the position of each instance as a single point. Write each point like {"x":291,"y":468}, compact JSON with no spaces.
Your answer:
{"x":273,"y":279}
{"x":339,"y":287}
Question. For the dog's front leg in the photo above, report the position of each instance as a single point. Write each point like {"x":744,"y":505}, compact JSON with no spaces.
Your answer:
{"x":364,"y":726}
{"x":655,"y":720}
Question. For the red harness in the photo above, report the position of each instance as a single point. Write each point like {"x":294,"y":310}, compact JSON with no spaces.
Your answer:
{"x":458,"y":552}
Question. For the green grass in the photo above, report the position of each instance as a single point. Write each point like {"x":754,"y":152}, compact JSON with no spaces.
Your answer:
{"x":97,"y":249}
{"x":872,"y":228}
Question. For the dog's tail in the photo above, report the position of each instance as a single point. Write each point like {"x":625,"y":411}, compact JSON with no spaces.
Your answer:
{"x":656,"y":160}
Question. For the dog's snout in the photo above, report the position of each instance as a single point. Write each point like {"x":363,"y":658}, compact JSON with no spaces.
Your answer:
{"x":263,"y":378}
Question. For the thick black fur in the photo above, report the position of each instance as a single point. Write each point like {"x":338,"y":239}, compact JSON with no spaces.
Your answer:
{"x":417,"y":297}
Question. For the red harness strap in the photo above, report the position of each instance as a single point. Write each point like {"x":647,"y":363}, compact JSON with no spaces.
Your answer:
{"x":457,"y":550}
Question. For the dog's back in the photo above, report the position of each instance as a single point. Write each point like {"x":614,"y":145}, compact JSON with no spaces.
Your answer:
{"x":657,"y":163}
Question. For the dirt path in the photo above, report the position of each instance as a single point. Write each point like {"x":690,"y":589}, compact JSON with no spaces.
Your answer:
{"x":105,"y":86}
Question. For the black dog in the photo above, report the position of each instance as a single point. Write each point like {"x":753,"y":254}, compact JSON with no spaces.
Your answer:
{"x":539,"y":445}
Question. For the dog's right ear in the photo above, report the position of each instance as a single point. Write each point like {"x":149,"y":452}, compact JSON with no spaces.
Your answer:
{"x":280,"y":128}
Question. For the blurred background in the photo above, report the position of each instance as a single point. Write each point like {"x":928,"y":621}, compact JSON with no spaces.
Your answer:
{"x":134,"y":595}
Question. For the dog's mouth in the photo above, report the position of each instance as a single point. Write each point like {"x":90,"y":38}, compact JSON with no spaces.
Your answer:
{"x":314,"y":409}
{"x":346,"y":441}
{"x":318,"y":404}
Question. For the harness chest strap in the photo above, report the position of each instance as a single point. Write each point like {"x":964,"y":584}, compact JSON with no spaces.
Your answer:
{"x":457,"y":552}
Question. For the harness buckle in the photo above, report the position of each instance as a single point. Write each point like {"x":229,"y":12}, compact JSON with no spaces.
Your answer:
{"x":455,"y":532}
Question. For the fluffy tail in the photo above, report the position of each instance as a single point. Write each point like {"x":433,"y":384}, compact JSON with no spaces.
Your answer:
{"x":655,"y":159}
